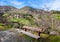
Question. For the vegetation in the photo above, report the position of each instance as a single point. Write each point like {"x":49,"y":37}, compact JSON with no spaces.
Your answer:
{"x":32,"y":17}
{"x":3,"y":27}
{"x":57,"y":16}
{"x":43,"y":38}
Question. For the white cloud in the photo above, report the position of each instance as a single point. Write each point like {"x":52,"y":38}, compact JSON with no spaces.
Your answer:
{"x":17,"y":3}
{"x":55,"y":5}
{"x":51,"y":5}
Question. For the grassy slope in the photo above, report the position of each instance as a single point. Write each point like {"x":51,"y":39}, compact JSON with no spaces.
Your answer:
{"x":44,"y":37}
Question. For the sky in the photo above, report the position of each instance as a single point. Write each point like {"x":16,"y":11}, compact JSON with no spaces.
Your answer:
{"x":40,"y":4}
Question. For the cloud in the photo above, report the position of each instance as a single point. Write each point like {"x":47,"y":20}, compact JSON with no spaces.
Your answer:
{"x":42,"y":4}
{"x":54,"y":5}
{"x":16,"y":3}
{"x":46,"y":4}
{"x":37,"y":3}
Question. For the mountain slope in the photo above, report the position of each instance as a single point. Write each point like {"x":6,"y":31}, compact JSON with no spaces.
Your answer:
{"x":6,"y":8}
{"x":33,"y":16}
{"x":37,"y":14}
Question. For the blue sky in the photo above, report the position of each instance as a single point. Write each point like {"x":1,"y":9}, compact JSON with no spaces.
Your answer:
{"x":40,"y":4}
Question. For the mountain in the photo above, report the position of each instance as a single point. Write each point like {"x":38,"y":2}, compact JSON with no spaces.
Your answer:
{"x":30,"y":10}
{"x":6,"y":8}
{"x":39,"y":15}
{"x":42,"y":18}
{"x":3,"y":10}
{"x":33,"y":16}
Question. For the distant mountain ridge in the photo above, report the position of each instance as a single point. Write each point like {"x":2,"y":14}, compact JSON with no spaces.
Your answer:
{"x":6,"y":8}
{"x":13,"y":9}
{"x":25,"y":8}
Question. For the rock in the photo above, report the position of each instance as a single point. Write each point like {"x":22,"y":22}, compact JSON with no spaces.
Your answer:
{"x":54,"y":33}
{"x":12,"y":36}
{"x":6,"y":36}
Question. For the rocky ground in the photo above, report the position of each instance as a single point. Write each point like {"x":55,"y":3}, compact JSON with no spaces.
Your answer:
{"x":8,"y":36}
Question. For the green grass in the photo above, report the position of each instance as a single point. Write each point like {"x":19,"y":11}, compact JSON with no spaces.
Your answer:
{"x":50,"y":38}
{"x":44,"y":35}
{"x":20,"y":20}
{"x":44,"y":38}
{"x":3,"y":27}
{"x":56,"y":16}
{"x":24,"y":21}
{"x":54,"y":38}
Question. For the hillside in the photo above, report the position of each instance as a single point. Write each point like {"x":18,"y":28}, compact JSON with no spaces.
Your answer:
{"x":6,"y":8}
{"x":31,"y":17}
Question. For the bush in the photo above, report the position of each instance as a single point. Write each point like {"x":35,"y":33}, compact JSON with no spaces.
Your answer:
{"x":3,"y":27}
